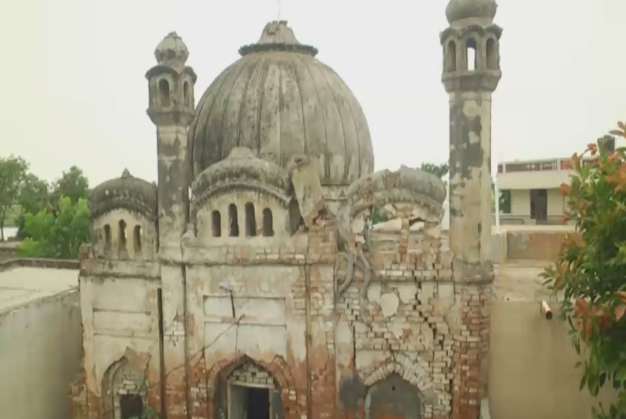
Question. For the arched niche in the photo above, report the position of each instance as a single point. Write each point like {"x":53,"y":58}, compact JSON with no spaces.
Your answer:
{"x":164,"y":92}
{"x":393,"y":397}
{"x":493,"y":59}
{"x":451,"y":56}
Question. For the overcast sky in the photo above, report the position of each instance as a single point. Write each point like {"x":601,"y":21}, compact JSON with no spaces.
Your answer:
{"x":74,"y":92}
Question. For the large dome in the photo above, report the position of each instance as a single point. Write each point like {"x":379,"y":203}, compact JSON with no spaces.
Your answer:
{"x":279,"y":101}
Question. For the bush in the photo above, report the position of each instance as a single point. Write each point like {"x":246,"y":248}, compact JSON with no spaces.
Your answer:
{"x":57,"y":235}
{"x":590,"y":274}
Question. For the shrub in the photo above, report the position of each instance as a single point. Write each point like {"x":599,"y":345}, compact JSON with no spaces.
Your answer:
{"x":590,"y":274}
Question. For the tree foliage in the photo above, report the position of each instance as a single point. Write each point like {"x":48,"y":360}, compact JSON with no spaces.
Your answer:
{"x":72,"y":184}
{"x":53,"y":219}
{"x":34,"y":196}
{"x":590,"y":274}
{"x":57,"y":235}
{"x":12,"y":172}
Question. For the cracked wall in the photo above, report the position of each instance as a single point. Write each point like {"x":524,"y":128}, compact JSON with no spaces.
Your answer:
{"x":398,"y":323}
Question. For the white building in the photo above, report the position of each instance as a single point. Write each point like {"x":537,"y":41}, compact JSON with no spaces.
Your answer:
{"x":530,"y":191}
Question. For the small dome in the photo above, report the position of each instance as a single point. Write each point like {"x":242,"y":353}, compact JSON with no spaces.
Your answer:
{"x":464,"y":9}
{"x":172,"y":50}
{"x":241,"y":168}
{"x":279,"y":101}
{"x":126,"y":192}
{"x":404,"y":185}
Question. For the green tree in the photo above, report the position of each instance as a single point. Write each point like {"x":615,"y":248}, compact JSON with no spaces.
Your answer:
{"x":439,"y":170}
{"x":72,"y":184}
{"x":34,"y":196}
{"x":12,"y":172}
{"x":590,"y":274}
{"x":57,"y":235}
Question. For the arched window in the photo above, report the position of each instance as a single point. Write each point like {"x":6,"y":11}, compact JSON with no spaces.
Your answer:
{"x":451,"y":56}
{"x":471,"y":55}
{"x":234,"y":222}
{"x":122,"y":237}
{"x":216,"y":223}
{"x":186,"y":93}
{"x":164,"y":92}
{"x":250,"y":220}
{"x":137,"y":239}
{"x":107,"y":239}
{"x":268,"y":223}
{"x":492,"y":54}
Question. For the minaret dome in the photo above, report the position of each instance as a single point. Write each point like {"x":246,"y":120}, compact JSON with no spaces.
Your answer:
{"x":484,"y":10}
{"x":172,"y":51}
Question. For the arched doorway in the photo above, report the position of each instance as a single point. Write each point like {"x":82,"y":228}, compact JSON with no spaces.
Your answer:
{"x":124,"y":389}
{"x":250,"y":392}
{"x":393,"y":398}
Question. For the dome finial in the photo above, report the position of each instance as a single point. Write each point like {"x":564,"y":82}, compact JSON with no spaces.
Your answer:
{"x":172,"y":51}
{"x":277,"y":32}
{"x":278,"y":36}
{"x":458,"y":10}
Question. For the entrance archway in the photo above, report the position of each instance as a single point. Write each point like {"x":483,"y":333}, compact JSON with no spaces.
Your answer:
{"x":124,"y":391}
{"x":251,"y":392}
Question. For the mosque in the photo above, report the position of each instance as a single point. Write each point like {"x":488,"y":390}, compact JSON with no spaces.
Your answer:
{"x":271,"y":273}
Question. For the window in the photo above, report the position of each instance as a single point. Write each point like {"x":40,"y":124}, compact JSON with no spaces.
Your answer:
{"x":268,"y":223}
{"x":472,"y":56}
{"x":107,"y":239}
{"x":451,"y":56}
{"x":137,"y":239}
{"x":122,"y":236}
{"x":492,"y":54}
{"x":250,"y":220}
{"x":234,"y":223}
{"x":216,"y":223}
{"x":164,"y":92}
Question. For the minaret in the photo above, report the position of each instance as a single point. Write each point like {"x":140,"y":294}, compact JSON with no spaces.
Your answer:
{"x":171,"y":109}
{"x":471,"y":73}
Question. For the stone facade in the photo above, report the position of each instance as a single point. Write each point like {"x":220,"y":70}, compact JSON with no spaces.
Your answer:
{"x":272,"y":274}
